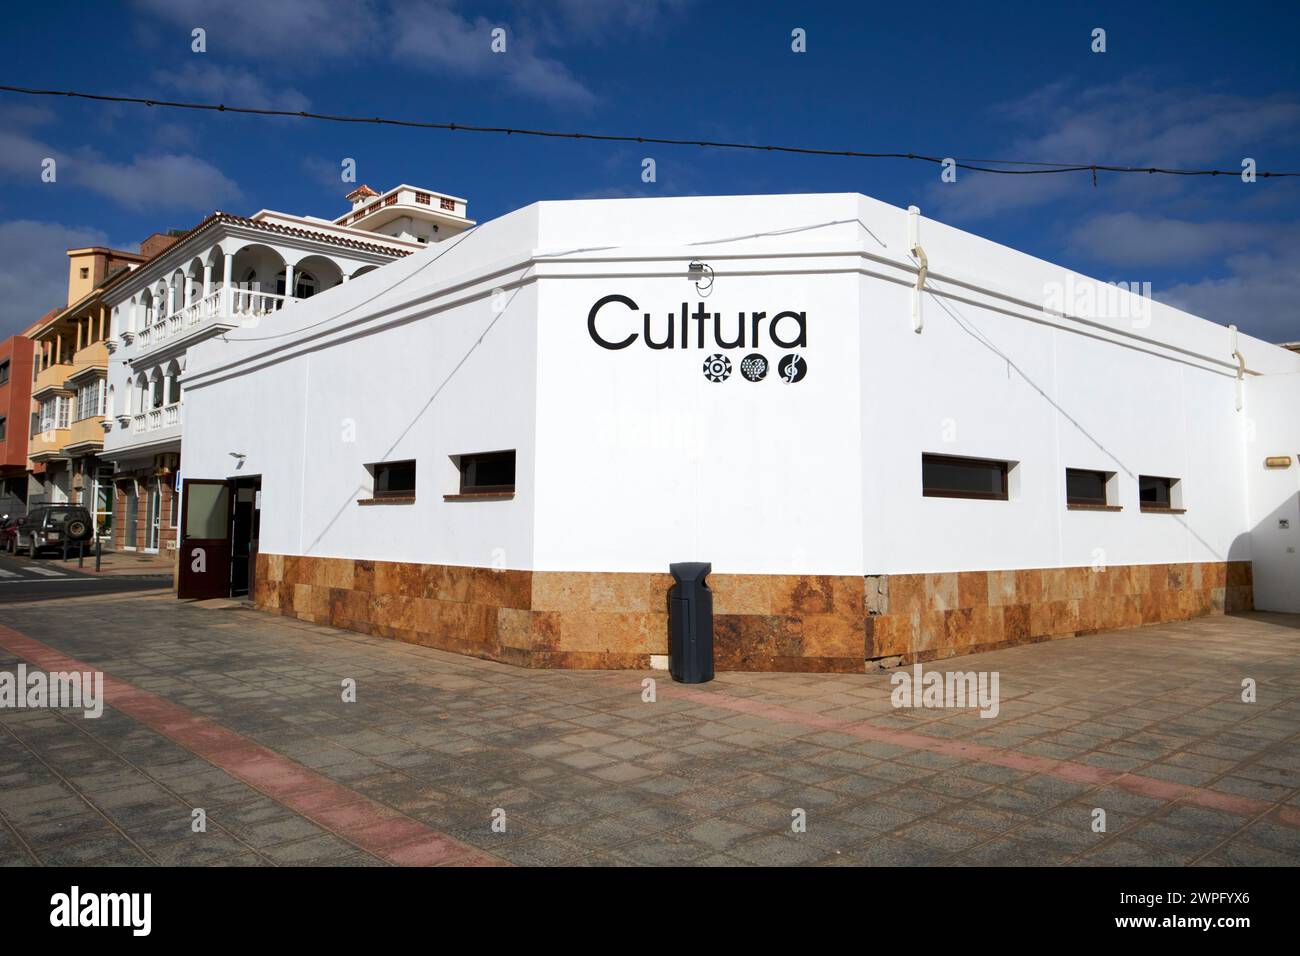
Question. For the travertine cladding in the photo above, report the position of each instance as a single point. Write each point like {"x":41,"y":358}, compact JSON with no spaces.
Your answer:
{"x":761,"y":622}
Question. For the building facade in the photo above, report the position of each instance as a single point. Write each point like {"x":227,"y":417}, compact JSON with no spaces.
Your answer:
{"x":893,"y":440}
{"x":229,"y":273}
{"x":70,"y":389}
{"x":15,"y":418}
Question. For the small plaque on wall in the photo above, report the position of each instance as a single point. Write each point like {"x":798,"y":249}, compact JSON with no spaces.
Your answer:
{"x":1277,"y":461}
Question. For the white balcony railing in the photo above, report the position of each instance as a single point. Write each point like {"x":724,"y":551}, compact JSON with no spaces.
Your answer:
{"x":156,"y":418}
{"x":244,"y":304}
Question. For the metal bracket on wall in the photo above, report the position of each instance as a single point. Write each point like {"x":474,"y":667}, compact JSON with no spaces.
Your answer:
{"x":1241,"y":367}
{"x":914,"y":246}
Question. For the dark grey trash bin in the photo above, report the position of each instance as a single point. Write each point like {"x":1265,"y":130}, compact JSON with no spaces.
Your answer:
{"x":690,"y":623}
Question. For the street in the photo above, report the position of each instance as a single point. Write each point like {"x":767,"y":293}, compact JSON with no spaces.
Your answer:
{"x":27,"y":579}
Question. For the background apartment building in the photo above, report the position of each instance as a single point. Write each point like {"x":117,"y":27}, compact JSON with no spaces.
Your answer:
{"x":69,"y":388}
{"x":229,"y":272}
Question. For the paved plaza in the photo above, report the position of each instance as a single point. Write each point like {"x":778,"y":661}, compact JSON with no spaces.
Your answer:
{"x":443,"y":759}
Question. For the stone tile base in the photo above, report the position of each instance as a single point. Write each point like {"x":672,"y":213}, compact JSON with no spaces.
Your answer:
{"x":761,"y":622}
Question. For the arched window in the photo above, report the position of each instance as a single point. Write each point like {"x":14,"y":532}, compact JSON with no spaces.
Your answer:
{"x":173,"y":384}
{"x":304,"y":285}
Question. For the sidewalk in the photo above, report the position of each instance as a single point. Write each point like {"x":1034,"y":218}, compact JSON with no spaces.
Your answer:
{"x":120,"y":562}
{"x":448,"y":759}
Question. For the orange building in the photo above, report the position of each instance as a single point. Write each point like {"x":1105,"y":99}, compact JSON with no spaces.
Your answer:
{"x":15,"y":408}
{"x":69,"y":388}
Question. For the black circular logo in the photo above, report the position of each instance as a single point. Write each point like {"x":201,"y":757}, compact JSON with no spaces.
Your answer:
{"x":792,"y":368}
{"x":754,"y":367}
{"x":717,"y":368}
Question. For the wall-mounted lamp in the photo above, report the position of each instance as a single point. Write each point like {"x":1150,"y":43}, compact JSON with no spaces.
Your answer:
{"x":238,"y":454}
{"x":702,"y":275}
{"x":1277,"y":461}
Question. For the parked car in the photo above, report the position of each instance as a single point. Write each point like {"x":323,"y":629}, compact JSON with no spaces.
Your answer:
{"x":46,"y":527}
{"x":8,"y":533}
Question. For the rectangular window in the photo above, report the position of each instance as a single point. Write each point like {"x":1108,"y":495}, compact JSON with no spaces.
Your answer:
{"x":447,"y":204}
{"x":4,"y":372}
{"x":947,"y":476}
{"x":394,"y":479}
{"x":55,"y":412}
{"x":1159,"y":494}
{"x":487,"y":473}
{"x":1085,"y":488}
{"x":3,"y":428}
{"x":88,"y":401}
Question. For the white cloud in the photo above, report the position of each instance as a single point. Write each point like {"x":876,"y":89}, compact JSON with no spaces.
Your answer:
{"x":435,"y":36}
{"x":35,"y":274}
{"x":1258,"y":294}
{"x":298,"y":30}
{"x":157,"y":181}
{"x":1130,"y":239}
{"x":1254,"y":268}
{"x":226,"y":84}
{"x":430,"y":35}
{"x":1131,"y":122}
{"x":569,"y":21}
{"x":165,"y":181}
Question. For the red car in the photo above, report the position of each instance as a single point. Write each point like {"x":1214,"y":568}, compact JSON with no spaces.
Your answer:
{"x":8,"y":533}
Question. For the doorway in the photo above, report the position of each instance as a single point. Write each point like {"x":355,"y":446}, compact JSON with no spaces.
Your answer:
{"x":247,"y":508}
{"x":132,"y":518}
{"x":219,"y":525}
{"x":153,"y":517}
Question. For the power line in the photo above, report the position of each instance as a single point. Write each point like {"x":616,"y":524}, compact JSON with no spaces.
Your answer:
{"x":978,"y":165}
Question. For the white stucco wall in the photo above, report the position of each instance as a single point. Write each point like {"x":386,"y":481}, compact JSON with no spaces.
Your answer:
{"x":1272,"y":427}
{"x":631,"y":458}
{"x":424,"y":381}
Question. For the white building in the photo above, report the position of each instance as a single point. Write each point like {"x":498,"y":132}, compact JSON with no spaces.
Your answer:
{"x":231,"y":272}
{"x":558,"y":404}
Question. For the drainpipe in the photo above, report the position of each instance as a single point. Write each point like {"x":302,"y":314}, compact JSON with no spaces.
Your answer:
{"x":914,"y":246}
{"x":1241,"y":367}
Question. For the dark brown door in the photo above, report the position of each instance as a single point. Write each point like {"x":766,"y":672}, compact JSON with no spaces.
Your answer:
{"x":204,"y":570}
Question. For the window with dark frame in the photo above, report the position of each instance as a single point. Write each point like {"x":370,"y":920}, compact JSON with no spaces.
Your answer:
{"x":394,"y":479}
{"x":3,"y":428}
{"x":488,"y":473}
{"x":1156,"y":493}
{"x":4,"y":372}
{"x":948,"y":476}
{"x":1085,"y":487}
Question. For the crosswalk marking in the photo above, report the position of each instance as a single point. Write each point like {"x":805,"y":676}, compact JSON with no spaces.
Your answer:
{"x":48,"y":572}
{"x":8,"y":574}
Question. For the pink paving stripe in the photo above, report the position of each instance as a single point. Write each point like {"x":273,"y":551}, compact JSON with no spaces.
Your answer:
{"x":1064,"y":769}
{"x":375,"y":828}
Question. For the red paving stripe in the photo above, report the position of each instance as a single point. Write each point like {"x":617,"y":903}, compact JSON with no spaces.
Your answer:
{"x":375,"y":828}
{"x":1168,"y":790}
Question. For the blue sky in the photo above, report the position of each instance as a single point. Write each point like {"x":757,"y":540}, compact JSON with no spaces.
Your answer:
{"x":1185,"y":84}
